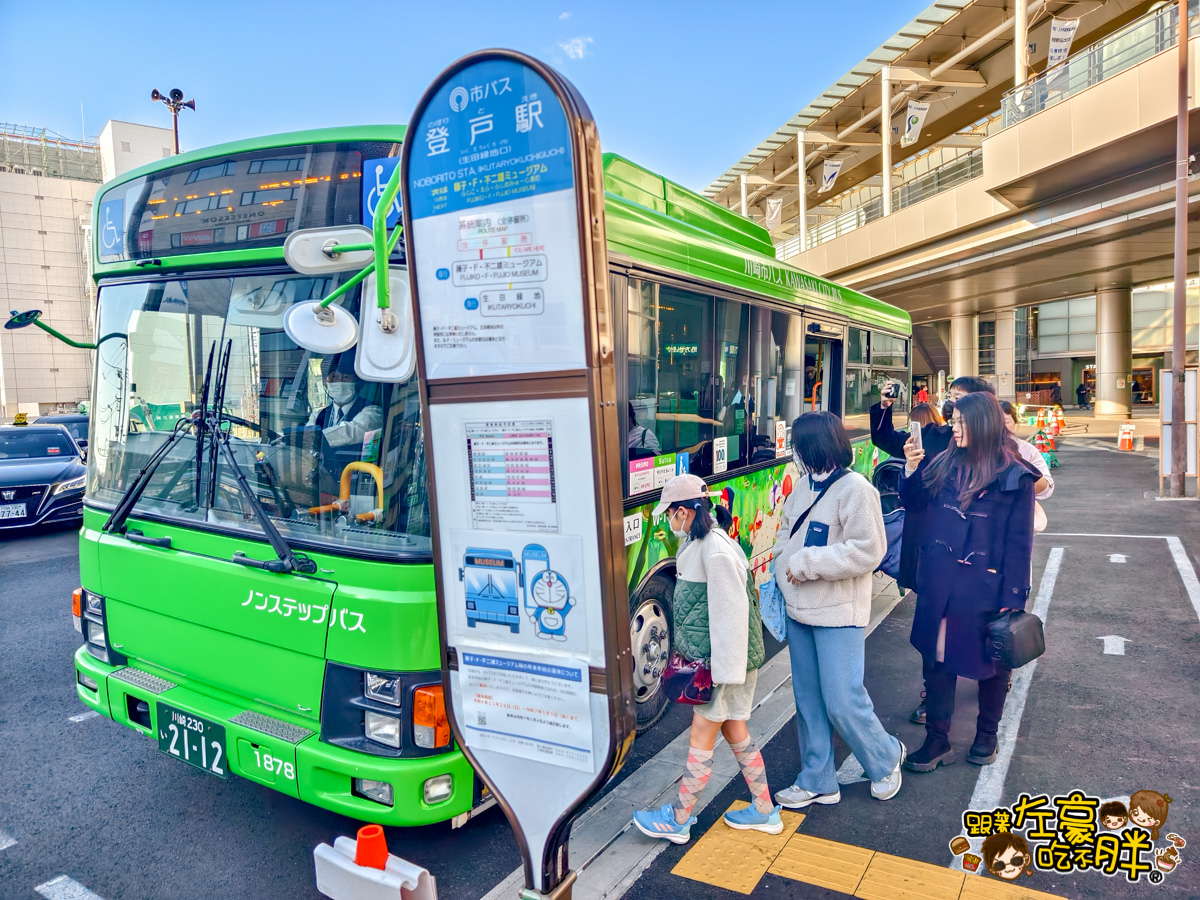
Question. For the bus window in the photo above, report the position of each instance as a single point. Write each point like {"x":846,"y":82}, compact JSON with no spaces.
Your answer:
{"x":674,"y":394}
{"x":334,"y":460}
{"x":884,"y":358}
{"x":760,"y":365}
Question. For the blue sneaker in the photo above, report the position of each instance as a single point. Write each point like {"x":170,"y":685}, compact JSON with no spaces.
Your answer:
{"x":660,"y":823}
{"x":750,"y":819}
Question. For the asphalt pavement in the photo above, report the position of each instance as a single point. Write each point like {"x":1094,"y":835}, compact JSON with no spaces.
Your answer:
{"x":102,"y":806}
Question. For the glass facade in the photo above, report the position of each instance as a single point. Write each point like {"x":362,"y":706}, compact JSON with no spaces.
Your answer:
{"x":1068,"y":327}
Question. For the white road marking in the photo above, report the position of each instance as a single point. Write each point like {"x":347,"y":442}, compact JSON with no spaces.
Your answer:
{"x":1186,"y":571}
{"x":1116,"y":557}
{"x":84,"y":716}
{"x":990,"y":784}
{"x":64,"y":888}
{"x":1114,"y":645}
{"x":6,"y":840}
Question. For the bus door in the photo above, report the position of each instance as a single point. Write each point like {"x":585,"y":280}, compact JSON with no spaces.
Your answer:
{"x":823,"y":345}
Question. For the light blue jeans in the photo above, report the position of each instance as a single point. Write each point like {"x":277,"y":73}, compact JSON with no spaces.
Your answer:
{"x":827,"y":680}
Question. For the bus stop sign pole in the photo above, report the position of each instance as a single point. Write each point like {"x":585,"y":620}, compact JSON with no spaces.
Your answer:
{"x":503,"y":201}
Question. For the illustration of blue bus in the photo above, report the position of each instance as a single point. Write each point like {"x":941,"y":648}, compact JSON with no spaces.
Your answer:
{"x":491,"y":579}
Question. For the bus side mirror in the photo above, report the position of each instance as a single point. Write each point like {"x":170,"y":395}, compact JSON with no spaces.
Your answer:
{"x":33,"y":317}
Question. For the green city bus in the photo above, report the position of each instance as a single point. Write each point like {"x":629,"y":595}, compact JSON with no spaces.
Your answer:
{"x":268,"y":610}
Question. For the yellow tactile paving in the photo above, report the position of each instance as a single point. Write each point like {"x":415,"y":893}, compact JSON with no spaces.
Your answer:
{"x":981,"y":888}
{"x":896,"y":878}
{"x":827,"y":864}
{"x":732,"y":859}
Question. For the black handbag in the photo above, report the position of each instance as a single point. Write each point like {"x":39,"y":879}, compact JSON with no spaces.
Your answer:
{"x":1013,"y":638}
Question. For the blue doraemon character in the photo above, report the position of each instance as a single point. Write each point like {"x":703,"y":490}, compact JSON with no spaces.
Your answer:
{"x":547,"y":594}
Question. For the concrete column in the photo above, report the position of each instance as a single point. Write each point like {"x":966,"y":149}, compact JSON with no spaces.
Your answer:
{"x":1114,"y":352}
{"x":1006,"y":355}
{"x":1020,"y":43}
{"x":964,"y":346}
{"x":802,"y":171}
{"x":885,"y":132}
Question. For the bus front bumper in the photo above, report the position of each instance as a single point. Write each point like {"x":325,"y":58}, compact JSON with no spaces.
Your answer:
{"x":300,"y":766}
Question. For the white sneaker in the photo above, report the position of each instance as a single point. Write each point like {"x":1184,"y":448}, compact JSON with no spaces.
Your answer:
{"x":889,"y":786}
{"x":796,"y":797}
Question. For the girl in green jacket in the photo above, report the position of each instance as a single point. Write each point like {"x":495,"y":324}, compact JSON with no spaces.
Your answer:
{"x":715,"y":619}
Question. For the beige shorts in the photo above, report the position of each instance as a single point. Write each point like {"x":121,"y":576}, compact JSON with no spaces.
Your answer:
{"x":731,"y":701}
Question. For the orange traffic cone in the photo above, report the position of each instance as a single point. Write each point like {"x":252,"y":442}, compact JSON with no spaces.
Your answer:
{"x":1060,"y":418}
{"x":1039,"y":442}
{"x":1050,"y":440}
{"x":1125,"y":442}
{"x":371,"y":849}
{"x":1041,"y":418}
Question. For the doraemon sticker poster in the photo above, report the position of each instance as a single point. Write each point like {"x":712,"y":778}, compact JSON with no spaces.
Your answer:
{"x":521,"y":590}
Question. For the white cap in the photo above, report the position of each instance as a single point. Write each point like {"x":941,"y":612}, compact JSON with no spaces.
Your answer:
{"x":680,"y":488}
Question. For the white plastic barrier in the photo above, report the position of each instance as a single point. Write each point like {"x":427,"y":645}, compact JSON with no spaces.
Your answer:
{"x":339,"y":878}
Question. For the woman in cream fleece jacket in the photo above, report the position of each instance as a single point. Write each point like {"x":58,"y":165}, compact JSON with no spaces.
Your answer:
{"x":824,"y":567}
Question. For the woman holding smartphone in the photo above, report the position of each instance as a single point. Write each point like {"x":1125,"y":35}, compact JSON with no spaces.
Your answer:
{"x":830,"y":541}
{"x":976,"y":500}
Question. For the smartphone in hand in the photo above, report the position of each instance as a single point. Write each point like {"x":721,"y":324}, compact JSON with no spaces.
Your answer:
{"x":915,"y":428}
{"x":889,"y":391}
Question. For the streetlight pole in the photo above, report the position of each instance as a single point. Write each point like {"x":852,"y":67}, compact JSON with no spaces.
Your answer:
{"x":1179,"y":464}
{"x":174,"y":101}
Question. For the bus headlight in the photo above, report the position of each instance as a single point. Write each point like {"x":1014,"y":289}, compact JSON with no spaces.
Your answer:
{"x":439,"y":788}
{"x":382,"y":729}
{"x":94,"y":633}
{"x":379,"y":791}
{"x":384,"y":688}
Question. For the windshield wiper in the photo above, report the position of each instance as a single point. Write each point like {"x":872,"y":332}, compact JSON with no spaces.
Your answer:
{"x":133,"y":493}
{"x":287,"y":560}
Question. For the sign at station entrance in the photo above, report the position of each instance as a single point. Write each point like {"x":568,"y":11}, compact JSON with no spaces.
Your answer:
{"x":503,"y":207}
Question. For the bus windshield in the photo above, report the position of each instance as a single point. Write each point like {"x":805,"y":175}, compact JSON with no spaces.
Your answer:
{"x":336,"y":461}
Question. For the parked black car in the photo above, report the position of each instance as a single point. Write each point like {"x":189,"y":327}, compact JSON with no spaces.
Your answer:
{"x":42,"y":476}
{"x":76,"y":423}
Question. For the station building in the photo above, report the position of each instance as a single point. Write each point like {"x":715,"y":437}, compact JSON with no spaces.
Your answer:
{"x":47,"y":184}
{"x":1026,"y":222}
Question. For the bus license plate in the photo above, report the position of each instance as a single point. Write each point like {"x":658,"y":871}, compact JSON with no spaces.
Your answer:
{"x":12,"y":511}
{"x":196,"y":741}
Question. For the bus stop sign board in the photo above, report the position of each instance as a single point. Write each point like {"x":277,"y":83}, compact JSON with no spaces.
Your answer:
{"x":503,"y":209}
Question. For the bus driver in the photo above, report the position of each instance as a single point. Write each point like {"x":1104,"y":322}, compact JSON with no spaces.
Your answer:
{"x":348,"y":417}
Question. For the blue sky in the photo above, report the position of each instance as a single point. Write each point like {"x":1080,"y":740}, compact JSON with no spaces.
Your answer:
{"x":682,"y":88}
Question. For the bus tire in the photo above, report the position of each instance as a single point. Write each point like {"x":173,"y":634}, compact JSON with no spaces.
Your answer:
{"x":651,"y":632}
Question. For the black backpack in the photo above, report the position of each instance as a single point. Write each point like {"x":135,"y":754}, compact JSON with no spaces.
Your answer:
{"x":887,"y":481}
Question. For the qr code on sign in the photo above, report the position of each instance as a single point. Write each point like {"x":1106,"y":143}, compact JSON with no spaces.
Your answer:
{"x":480,"y":718}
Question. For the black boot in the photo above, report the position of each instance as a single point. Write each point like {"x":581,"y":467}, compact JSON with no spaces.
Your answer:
{"x":940,"y":687}
{"x":992,"y":694}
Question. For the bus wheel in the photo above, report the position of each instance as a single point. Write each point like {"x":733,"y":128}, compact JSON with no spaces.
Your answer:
{"x":650,"y":632}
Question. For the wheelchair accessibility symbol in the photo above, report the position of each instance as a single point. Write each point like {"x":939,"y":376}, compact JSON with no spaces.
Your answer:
{"x":112,"y":221}
{"x":376,"y":173}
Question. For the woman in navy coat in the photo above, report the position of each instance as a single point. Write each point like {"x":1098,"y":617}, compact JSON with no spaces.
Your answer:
{"x":976,"y":499}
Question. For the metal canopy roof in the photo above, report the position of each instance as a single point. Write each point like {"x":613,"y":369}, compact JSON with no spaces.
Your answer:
{"x":970,"y":35}
{"x":889,"y":52}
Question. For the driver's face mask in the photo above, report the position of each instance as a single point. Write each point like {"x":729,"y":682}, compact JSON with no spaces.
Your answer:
{"x":341,"y":392}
